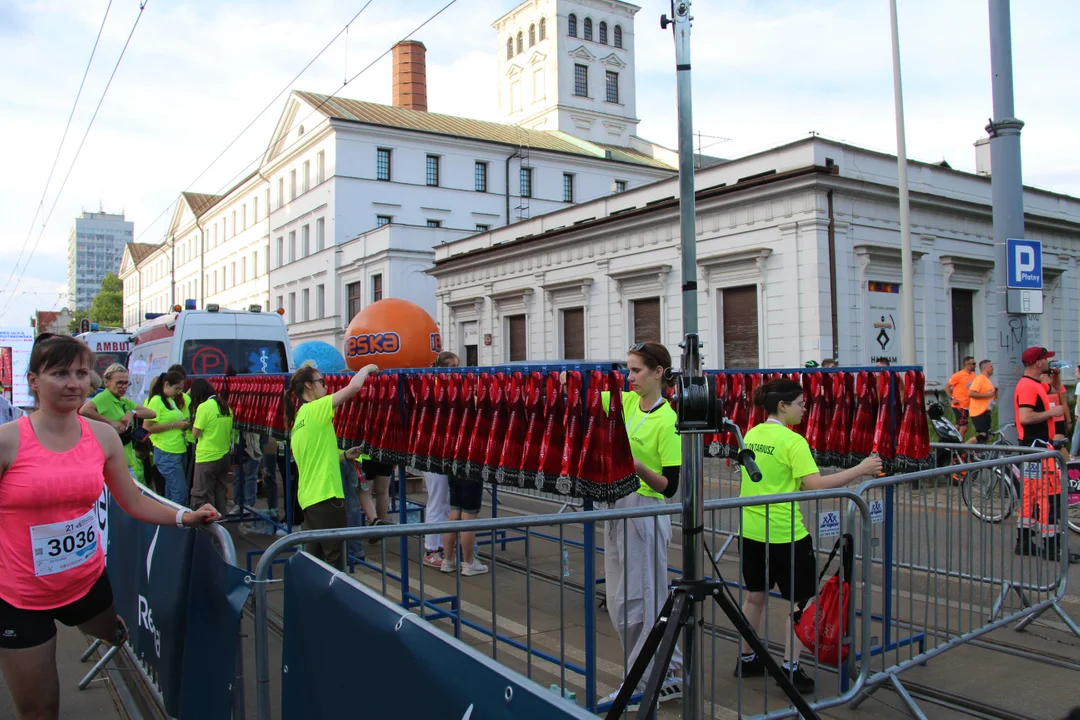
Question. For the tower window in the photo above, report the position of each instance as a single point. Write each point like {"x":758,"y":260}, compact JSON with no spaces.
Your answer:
{"x":532,"y":35}
{"x":587,"y":34}
{"x":612,"y":87}
{"x":543,"y":29}
{"x":581,"y":80}
{"x":509,"y":48}
{"x":603,"y":33}
{"x":520,"y":43}
{"x":618,"y":36}
{"x":571,"y":25}
{"x":526,"y":182}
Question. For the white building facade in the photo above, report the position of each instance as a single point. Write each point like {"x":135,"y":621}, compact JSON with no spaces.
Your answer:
{"x":95,"y":246}
{"x":798,"y":259}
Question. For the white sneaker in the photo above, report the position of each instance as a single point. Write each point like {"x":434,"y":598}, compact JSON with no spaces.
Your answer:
{"x":449,"y":565}
{"x":672,"y":689}
{"x":631,"y":706}
{"x":475,"y":568}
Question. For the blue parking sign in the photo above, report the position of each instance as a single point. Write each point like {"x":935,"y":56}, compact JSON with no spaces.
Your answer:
{"x":1024,"y":264}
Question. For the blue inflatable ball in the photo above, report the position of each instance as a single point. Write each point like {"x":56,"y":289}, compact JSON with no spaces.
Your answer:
{"x":324,"y":356}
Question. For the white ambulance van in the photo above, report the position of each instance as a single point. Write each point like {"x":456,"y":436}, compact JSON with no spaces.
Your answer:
{"x":208,"y":342}
{"x":109,"y":346}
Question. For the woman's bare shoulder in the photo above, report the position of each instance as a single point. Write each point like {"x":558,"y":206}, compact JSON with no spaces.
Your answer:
{"x":9,"y":444}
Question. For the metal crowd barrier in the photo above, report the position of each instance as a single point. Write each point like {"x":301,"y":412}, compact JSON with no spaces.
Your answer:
{"x":224,"y":543}
{"x":951,"y":559}
{"x":545,"y":626}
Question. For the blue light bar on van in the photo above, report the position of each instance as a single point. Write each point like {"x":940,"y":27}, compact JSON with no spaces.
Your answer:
{"x":93,"y":327}
{"x":189,"y":304}
{"x":153,"y":316}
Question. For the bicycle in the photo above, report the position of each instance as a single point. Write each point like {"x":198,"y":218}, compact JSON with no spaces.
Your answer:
{"x":990,"y":493}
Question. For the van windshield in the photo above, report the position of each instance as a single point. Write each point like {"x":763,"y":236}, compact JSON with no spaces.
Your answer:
{"x":215,"y":357}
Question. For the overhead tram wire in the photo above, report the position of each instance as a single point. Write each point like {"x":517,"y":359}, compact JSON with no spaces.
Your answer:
{"x":329,"y":97}
{"x":344,"y":29}
{"x":63,"y":138}
{"x":67,"y":175}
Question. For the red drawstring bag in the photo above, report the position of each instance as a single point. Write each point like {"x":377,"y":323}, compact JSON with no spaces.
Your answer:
{"x":423,"y":412}
{"x":823,"y":624}
{"x":447,"y":415}
{"x":510,"y":451}
{"x":622,"y":474}
{"x":492,"y":441}
{"x":533,"y":396}
{"x":395,"y":445}
{"x":459,"y":454}
{"x":589,"y":480}
{"x":571,"y":449}
{"x":551,"y":446}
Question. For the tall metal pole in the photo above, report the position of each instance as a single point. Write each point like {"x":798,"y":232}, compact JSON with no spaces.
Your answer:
{"x":1007,"y":189}
{"x":907,"y":270}
{"x":693,"y":508}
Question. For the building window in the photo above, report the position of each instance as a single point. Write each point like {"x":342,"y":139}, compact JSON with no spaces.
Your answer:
{"x":320,"y":302}
{"x":526,"y":182}
{"x":280,"y":251}
{"x":587,"y":29}
{"x":243,"y":217}
{"x":509,"y":48}
{"x":517,"y":338}
{"x":382,"y":164}
{"x":215,"y":235}
{"x":307,"y":176}
{"x":292,"y":185}
{"x":320,"y":166}
{"x":255,"y":264}
{"x":280,"y":191}
{"x":434,"y":223}
{"x":618,"y":36}
{"x":381,"y":220}
{"x":543,"y":29}
{"x":612,"y":87}
{"x":267,"y":201}
{"x":482,"y":228}
{"x":305,"y":241}
{"x":280,"y":302}
{"x":532,"y":35}
{"x":603,"y":33}
{"x":646,"y":320}
{"x":232,"y":275}
{"x":571,"y":25}
{"x":355,"y":299}
{"x":255,"y":209}
{"x":573,"y":333}
{"x":320,"y":234}
{"x":481,"y":176}
{"x":620,"y":186}
{"x":568,"y":187}
{"x":432,"y":177}
{"x":376,"y":288}
{"x":581,"y":80}
{"x":305,"y":304}
{"x":292,"y":308}
{"x":515,"y":96}
{"x":292,"y":246}
{"x":520,"y":43}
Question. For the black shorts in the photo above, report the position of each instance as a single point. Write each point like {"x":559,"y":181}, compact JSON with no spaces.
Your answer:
{"x":372,"y":469}
{"x":961,"y":415}
{"x":781,"y":556}
{"x":466,"y":495}
{"x":21,"y":629}
{"x":981,"y":423}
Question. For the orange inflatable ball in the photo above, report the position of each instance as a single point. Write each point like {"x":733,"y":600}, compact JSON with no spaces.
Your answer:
{"x":392,"y":333}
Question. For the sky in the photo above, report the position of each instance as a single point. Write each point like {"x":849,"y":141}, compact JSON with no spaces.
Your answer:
{"x":196,"y":74}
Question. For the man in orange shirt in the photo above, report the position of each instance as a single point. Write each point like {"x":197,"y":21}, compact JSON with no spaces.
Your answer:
{"x":981,"y":392}
{"x":958,"y":393}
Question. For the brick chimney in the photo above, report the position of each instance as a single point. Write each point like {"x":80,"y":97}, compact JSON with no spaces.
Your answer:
{"x":410,"y":75}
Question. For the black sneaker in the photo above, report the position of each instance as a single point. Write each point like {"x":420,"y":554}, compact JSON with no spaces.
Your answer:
{"x":802,"y":682}
{"x":749,"y":668}
{"x":374,"y":523}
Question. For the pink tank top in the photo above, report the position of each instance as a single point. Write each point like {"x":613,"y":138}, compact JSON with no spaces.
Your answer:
{"x":50,"y":546}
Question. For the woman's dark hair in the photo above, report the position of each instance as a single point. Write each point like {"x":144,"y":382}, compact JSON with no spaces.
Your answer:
{"x":59,"y":351}
{"x":201,"y":391}
{"x":178,"y":368}
{"x":655,"y":355}
{"x":294,"y":393}
{"x":444,"y":359}
{"x":774,"y":392}
{"x":158,"y":388}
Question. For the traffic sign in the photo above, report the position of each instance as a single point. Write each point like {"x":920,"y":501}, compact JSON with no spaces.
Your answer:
{"x":1024,"y":264}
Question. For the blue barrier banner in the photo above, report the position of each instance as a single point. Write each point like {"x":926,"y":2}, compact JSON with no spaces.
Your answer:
{"x":184,"y":634}
{"x":347,"y":652}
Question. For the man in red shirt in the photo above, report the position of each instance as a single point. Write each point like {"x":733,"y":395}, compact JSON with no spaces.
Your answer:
{"x":1036,"y":421}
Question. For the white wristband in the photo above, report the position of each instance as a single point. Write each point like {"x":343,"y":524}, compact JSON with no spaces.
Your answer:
{"x":180,"y":517}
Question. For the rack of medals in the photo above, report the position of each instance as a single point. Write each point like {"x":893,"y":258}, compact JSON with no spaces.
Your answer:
{"x":560,"y":429}
{"x":850,"y":414}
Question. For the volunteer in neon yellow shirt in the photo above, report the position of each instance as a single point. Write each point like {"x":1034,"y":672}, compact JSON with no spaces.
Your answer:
{"x":309,"y":413}
{"x":636,"y":551}
{"x":213,"y":437}
{"x":167,"y":429}
{"x":112,"y":407}
{"x":775,"y":534}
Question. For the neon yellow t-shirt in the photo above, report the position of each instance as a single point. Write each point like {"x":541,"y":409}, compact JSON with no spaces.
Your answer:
{"x":170,"y":441}
{"x":216,"y":438}
{"x":784,"y":458}
{"x":653,"y":439}
{"x":315,"y":448}
{"x":186,"y":410}
{"x":113,"y":408}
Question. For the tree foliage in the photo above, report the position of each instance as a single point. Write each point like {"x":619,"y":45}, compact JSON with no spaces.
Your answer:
{"x":107,"y":309}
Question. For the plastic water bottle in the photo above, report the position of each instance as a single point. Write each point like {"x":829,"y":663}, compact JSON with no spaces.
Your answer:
{"x":567,"y":694}
{"x":565,"y":562}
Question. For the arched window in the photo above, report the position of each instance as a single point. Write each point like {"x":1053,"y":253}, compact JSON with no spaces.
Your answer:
{"x":587,"y":34}
{"x":509,"y":48}
{"x":520,"y":43}
{"x":571,"y":25}
{"x":532,"y":35}
{"x":543,"y":29}
{"x":603,"y":33}
{"x":618,"y":36}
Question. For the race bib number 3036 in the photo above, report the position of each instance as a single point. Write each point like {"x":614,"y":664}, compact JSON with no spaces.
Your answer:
{"x":61,"y":546}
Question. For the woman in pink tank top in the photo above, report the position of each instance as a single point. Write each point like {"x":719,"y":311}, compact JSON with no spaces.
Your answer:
{"x":53,"y":466}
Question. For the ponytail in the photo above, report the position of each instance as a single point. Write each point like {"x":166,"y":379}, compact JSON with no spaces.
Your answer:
{"x":771,"y":394}
{"x":654,"y":355}
{"x":293,"y":397}
{"x":201,"y":391}
{"x":157,"y":387}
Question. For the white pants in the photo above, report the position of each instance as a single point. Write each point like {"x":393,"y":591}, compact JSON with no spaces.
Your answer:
{"x":438,"y":506}
{"x":637,"y":590}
